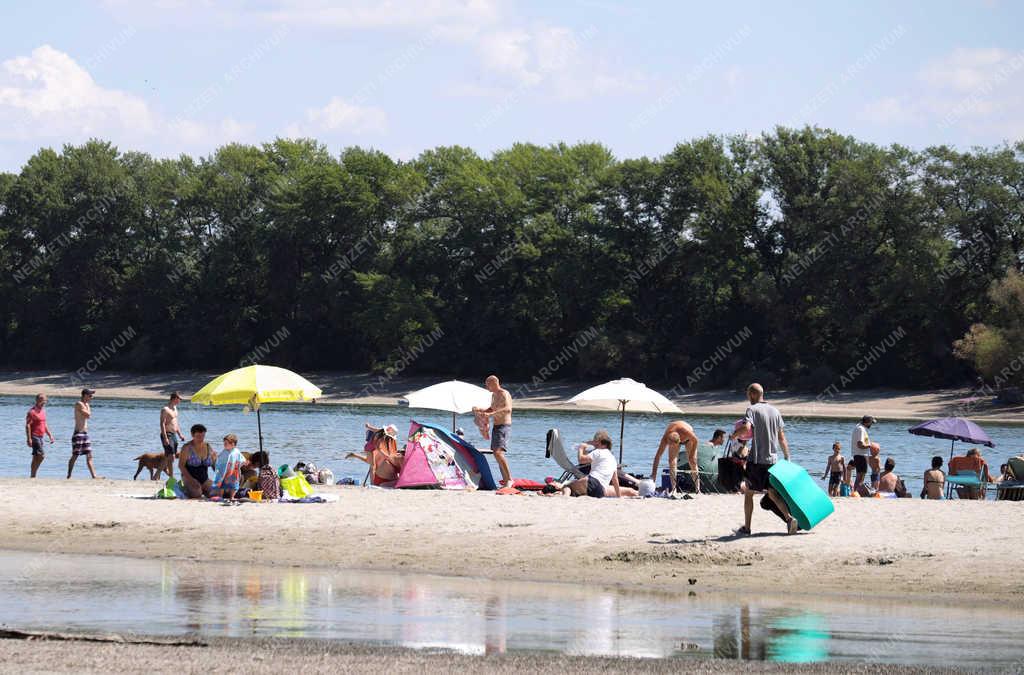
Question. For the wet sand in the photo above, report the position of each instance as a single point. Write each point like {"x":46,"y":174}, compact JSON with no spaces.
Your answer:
{"x":887,"y":547}
{"x":366,"y":389}
{"x":307,"y":656}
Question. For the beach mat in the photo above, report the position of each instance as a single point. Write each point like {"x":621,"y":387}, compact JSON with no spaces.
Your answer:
{"x":808,"y":503}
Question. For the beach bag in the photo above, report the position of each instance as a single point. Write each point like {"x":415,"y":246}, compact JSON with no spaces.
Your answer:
{"x":269,"y":483}
{"x":168,"y":490}
{"x":296,"y":486}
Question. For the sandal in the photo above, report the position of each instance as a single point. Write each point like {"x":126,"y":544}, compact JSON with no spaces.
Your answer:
{"x":792,"y":526}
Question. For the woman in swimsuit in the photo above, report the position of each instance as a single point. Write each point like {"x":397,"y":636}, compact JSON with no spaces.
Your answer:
{"x":195,"y":461}
{"x":934,"y":480}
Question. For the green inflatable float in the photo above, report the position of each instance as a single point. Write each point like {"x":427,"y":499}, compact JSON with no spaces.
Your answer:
{"x":807,"y":502}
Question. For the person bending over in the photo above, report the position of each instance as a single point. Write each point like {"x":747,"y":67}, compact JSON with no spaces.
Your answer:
{"x":677,"y":433}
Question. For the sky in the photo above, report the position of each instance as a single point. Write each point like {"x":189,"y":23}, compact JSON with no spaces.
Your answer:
{"x":178,"y":76}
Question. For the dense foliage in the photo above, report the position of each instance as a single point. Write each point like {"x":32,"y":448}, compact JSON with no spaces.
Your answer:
{"x":787,"y":258}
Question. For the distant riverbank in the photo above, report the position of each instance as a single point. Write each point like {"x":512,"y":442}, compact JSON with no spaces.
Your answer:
{"x":369,"y":389}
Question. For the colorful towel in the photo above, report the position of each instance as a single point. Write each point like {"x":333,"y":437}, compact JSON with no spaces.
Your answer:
{"x":229,"y":471}
{"x":482,"y":424}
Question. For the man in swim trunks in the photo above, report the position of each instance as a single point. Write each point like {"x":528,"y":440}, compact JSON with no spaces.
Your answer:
{"x":765,"y":423}
{"x":80,"y":444}
{"x":170,"y":432}
{"x":35,"y":429}
{"x":835,"y":469}
{"x":677,"y":433}
{"x":861,"y":446}
{"x":500,"y":412}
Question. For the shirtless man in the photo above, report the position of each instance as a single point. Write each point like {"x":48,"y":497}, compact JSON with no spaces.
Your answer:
{"x":677,"y":433}
{"x":170,"y":432}
{"x":500,"y":412}
{"x":80,"y":444}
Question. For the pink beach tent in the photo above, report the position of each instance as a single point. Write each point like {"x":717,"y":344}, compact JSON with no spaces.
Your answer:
{"x":430,"y":462}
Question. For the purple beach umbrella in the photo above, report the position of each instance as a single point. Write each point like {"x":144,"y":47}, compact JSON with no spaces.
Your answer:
{"x":955,"y":429}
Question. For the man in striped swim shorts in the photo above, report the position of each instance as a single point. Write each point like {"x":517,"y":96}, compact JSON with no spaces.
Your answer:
{"x":80,"y":444}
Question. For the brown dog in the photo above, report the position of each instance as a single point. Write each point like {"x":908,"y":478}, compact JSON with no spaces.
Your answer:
{"x":154,"y":461}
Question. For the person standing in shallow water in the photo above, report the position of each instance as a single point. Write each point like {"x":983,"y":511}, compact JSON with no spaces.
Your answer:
{"x":500,"y":412}
{"x":35,"y":429}
{"x":80,"y":443}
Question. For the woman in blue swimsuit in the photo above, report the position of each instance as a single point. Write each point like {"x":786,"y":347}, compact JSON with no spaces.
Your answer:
{"x":195,"y":461}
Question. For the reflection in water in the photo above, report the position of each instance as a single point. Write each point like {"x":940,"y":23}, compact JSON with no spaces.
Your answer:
{"x":483,"y":617}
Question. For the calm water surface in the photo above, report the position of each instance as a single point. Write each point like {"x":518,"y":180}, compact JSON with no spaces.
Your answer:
{"x":121,"y":429}
{"x":108,"y":594}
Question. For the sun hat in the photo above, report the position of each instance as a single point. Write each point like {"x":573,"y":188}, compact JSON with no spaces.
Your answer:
{"x":392,"y":431}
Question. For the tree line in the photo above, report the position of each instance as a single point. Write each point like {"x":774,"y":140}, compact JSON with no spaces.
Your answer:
{"x":813,"y":246}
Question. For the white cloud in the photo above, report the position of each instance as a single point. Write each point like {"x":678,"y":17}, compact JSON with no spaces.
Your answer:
{"x":367,"y":14}
{"x":48,"y":95}
{"x":510,"y":51}
{"x":888,"y":110}
{"x":965,"y":69}
{"x":342,"y":116}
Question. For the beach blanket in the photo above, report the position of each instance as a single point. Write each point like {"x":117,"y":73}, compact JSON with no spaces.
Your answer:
{"x":313,"y":499}
{"x":482,"y":424}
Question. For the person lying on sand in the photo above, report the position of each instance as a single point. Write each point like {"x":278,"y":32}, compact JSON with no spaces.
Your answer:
{"x":603,"y":477}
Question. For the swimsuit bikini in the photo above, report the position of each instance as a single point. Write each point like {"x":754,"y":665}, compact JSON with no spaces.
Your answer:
{"x":198,"y":467}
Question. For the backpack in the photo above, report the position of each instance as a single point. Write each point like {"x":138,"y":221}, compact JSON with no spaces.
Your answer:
{"x":269,"y":483}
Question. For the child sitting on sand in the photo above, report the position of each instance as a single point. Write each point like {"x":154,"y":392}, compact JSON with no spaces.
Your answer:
{"x":229,"y":469}
{"x":835,"y":469}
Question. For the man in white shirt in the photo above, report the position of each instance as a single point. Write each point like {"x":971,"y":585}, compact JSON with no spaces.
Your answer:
{"x":603,"y":478}
{"x":861,"y":445}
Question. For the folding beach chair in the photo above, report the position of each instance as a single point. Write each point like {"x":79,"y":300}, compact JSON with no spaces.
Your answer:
{"x":967,"y":479}
{"x":556,"y":450}
{"x":1011,"y":489}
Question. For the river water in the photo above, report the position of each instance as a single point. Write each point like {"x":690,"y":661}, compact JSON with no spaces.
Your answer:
{"x":97,"y":594}
{"x":122,"y":429}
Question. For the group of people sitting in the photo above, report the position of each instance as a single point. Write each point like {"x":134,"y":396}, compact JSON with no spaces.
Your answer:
{"x":233,"y":471}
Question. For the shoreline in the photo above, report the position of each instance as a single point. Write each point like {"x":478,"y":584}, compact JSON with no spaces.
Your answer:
{"x":905,"y":547}
{"x":363,"y":389}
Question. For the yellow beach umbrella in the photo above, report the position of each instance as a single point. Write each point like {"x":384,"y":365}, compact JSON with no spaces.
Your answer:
{"x":255,"y":385}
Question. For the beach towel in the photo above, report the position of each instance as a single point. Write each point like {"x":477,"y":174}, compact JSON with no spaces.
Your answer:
{"x":229,"y":470}
{"x":482,"y":424}
{"x":527,"y":484}
{"x":296,"y":487}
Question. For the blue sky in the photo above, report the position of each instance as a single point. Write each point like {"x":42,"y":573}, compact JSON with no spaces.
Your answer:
{"x":175,"y":76}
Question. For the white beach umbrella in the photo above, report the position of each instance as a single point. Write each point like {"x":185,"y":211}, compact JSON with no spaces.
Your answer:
{"x":624,"y":394}
{"x":454,"y":396}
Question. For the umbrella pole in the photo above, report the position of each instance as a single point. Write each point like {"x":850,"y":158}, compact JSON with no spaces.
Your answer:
{"x":952,"y":442}
{"x":453,"y":423}
{"x":259,"y":428}
{"x":622,"y":429}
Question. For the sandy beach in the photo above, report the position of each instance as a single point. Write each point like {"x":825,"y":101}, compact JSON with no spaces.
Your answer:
{"x":367,"y":389}
{"x":897,"y":547}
